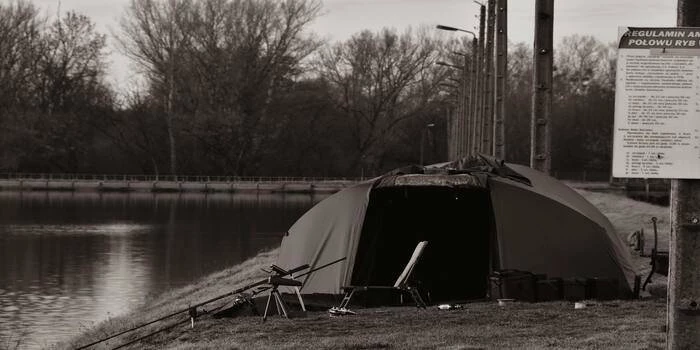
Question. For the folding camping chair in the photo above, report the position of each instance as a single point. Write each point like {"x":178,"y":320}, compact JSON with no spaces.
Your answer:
{"x":401,"y":284}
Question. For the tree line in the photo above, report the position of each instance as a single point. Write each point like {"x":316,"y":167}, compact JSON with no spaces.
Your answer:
{"x":242,"y":87}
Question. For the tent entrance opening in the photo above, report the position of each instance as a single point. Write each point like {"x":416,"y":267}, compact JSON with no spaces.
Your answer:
{"x":457,"y":223}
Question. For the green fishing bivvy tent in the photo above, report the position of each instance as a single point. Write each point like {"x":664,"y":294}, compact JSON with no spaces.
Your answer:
{"x":479,"y":216}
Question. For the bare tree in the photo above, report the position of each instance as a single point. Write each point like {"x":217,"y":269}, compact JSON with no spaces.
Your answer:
{"x":71,"y":64}
{"x":70,"y":90}
{"x":243,"y":61}
{"x":580,"y":61}
{"x":584,"y":104}
{"x":51,"y":87}
{"x":155,"y":34}
{"x":20,"y":27}
{"x":219,"y":64}
{"x":519,"y":102}
{"x":380,"y":80}
{"x":20,"y":39}
{"x":135,"y":132}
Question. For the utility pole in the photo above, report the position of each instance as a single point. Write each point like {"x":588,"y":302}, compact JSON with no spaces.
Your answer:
{"x":463,"y":111}
{"x":540,"y":138}
{"x":465,"y":90}
{"x":455,"y":117}
{"x":683,"y":323}
{"x":473,"y":98}
{"x":459,"y":116}
{"x":455,"y":123}
{"x":426,"y":130}
{"x":499,"y":135}
{"x":464,"y":130}
{"x":487,"y":146}
{"x":480,"y":82}
{"x":450,"y":133}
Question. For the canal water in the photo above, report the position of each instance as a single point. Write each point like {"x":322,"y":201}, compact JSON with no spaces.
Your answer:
{"x":71,"y":259}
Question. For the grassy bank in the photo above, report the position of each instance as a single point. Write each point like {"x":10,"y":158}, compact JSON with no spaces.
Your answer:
{"x":617,"y":324}
{"x":216,"y":284}
{"x":522,"y":325}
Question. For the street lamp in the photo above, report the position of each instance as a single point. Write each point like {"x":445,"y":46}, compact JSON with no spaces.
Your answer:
{"x":453,"y":134}
{"x":467,"y":114}
{"x":455,"y":131}
{"x":422,"y":140}
{"x":454,"y":29}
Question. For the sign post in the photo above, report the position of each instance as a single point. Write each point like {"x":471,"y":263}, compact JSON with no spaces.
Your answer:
{"x":684,"y":276}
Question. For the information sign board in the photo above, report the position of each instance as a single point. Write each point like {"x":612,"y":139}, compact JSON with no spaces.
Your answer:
{"x":657,"y":103}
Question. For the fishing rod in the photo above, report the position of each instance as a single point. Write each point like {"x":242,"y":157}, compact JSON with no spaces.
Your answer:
{"x":205,"y":312}
{"x":237,"y":291}
{"x":280,"y":273}
{"x":274,"y":267}
{"x":151,"y":334}
{"x":162,"y":330}
{"x":321,"y":267}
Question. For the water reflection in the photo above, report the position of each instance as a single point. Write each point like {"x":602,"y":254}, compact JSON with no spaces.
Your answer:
{"x":68,"y":260}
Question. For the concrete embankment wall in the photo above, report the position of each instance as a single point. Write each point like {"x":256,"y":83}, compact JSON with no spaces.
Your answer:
{"x":173,"y":186}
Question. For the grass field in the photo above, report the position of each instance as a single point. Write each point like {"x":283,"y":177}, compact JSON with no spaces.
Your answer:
{"x":521,"y":325}
{"x":636,"y":324}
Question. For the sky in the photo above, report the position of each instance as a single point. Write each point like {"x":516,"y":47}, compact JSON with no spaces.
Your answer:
{"x":343,"y":18}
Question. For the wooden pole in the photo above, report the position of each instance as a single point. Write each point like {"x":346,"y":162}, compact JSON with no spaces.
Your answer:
{"x":540,"y":138}
{"x":450,"y":134}
{"x":499,"y":136}
{"x":453,"y":131}
{"x":464,"y":130}
{"x":480,"y":82}
{"x":457,"y":117}
{"x":463,"y":116}
{"x":683,"y":322}
{"x":487,"y":146}
{"x":473,"y":97}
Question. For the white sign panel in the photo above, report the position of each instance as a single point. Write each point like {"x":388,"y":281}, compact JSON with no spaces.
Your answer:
{"x":657,"y":104}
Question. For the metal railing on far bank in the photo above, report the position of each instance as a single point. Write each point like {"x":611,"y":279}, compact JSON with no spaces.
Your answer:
{"x":171,"y":183}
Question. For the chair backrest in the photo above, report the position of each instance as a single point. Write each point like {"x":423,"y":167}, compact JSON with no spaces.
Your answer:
{"x":406,"y":273}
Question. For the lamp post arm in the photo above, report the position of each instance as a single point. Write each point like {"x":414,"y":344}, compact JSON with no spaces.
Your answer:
{"x":455,"y":29}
